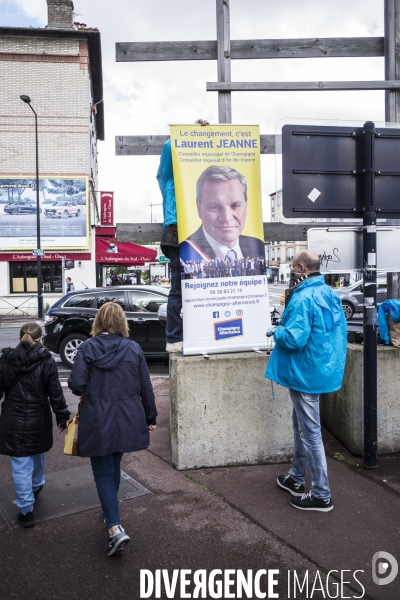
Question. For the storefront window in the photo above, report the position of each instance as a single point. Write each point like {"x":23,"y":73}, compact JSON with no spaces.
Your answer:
{"x":17,"y":277}
{"x":31,"y":278}
{"x":23,"y":276}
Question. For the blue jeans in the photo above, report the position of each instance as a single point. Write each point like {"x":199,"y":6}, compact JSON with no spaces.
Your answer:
{"x":174,"y":326}
{"x":308,"y":446}
{"x":107,"y":475}
{"x":28,"y":476}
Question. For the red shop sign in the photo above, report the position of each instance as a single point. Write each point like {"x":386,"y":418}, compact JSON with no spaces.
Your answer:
{"x":107,"y":208}
{"x":17,"y":256}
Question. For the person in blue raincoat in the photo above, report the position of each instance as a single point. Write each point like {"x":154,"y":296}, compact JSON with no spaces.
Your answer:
{"x":309,"y":358}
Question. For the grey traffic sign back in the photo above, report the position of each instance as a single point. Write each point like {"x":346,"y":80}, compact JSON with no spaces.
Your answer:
{"x":323,"y":168}
{"x":340,"y":250}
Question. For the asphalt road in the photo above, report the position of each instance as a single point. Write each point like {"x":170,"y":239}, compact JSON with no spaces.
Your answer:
{"x":9,"y":336}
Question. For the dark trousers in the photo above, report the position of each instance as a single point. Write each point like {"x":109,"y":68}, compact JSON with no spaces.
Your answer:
{"x":107,"y":475}
{"x":174,"y":326}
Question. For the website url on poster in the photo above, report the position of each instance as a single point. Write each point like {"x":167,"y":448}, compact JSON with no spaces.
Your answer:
{"x":223,"y":304}
{"x":230,"y":298}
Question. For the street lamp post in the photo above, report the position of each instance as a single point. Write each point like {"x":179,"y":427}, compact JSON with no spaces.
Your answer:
{"x":151,"y":210}
{"x":27,"y":100}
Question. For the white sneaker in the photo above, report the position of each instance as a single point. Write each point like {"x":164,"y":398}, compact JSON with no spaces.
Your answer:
{"x":176,"y":347}
{"x":117,"y":541}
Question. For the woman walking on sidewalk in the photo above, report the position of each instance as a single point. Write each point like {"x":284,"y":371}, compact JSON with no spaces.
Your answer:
{"x":118,"y":409}
{"x":29,"y":380}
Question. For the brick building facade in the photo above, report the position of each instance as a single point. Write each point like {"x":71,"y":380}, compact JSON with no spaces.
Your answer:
{"x":59,"y":67}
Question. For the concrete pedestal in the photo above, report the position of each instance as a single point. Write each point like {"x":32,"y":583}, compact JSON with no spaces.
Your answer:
{"x":222,"y":413}
{"x":342,"y":411}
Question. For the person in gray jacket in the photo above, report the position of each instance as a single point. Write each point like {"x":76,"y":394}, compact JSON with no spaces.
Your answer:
{"x":70,"y":286}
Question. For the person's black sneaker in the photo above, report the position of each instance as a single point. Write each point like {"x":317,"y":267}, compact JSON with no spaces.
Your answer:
{"x":288,"y":484}
{"x":37,"y":492}
{"x":117,"y":541}
{"x":27,"y":520}
{"x":308,"y":502}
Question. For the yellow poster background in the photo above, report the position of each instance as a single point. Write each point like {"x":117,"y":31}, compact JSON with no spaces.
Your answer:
{"x":195,"y":148}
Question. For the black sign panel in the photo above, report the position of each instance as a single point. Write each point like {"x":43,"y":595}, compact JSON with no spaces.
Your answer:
{"x":324,"y":177}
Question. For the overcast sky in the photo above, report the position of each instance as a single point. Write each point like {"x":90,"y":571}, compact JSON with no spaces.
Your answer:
{"x":143,"y":98}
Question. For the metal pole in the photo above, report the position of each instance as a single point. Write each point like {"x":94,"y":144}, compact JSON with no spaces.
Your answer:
{"x":370,"y":314}
{"x":224,"y":59}
{"x":27,"y":100}
{"x":64,"y":290}
{"x":390,"y":11}
{"x":151,"y":210}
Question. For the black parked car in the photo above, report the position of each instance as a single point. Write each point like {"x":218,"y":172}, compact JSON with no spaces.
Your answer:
{"x":21,"y":207}
{"x":352,"y":296}
{"x":68,"y":322}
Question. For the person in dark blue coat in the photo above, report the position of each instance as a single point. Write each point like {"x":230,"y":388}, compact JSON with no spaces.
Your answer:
{"x":118,"y":409}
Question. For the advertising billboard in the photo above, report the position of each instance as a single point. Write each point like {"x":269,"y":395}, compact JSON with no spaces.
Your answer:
{"x":63,"y":210}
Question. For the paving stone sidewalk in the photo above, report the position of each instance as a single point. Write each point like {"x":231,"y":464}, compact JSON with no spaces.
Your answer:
{"x":226,"y":518}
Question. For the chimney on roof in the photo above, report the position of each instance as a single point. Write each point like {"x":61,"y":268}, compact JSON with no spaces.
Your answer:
{"x":60,"y":14}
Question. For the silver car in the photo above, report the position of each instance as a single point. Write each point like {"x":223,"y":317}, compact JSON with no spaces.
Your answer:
{"x":352,"y":296}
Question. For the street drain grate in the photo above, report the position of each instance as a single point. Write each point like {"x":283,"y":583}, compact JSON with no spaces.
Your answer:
{"x":65,"y":493}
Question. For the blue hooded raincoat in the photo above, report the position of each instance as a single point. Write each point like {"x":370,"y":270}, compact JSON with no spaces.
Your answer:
{"x":118,"y":403}
{"x":165,"y":178}
{"x":393,"y":308}
{"x":310,"y":346}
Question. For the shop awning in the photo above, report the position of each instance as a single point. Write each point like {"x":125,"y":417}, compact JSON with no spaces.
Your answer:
{"x":123,"y":253}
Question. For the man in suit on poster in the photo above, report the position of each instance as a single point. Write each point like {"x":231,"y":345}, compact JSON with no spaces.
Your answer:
{"x":221,"y":199}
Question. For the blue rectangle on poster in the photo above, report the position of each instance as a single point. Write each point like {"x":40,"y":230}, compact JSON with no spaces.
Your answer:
{"x":228,"y":329}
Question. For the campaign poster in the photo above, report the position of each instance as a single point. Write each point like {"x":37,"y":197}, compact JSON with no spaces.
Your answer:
{"x":220,"y":230}
{"x":63,"y":213}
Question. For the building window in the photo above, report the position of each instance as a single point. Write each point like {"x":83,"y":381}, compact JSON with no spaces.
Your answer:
{"x":290,"y":253}
{"x":273,"y":254}
{"x":23,"y":277}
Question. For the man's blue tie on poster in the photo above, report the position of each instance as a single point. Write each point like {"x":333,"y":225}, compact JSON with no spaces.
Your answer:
{"x":231,"y":255}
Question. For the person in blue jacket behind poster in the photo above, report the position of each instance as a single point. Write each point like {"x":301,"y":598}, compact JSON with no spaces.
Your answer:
{"x":309,"y":358}
{"x":170,"y":247}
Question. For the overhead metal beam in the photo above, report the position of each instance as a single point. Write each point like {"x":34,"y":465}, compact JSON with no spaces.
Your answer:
{"x":147,"y":233}
{"x":364,"y":47}
{"x":147,"y":145}
{"x":301,"y":86}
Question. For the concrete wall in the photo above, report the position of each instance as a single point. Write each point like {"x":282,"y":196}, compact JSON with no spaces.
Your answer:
{"x":342,"y":411}
{"x":222,"y":413}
